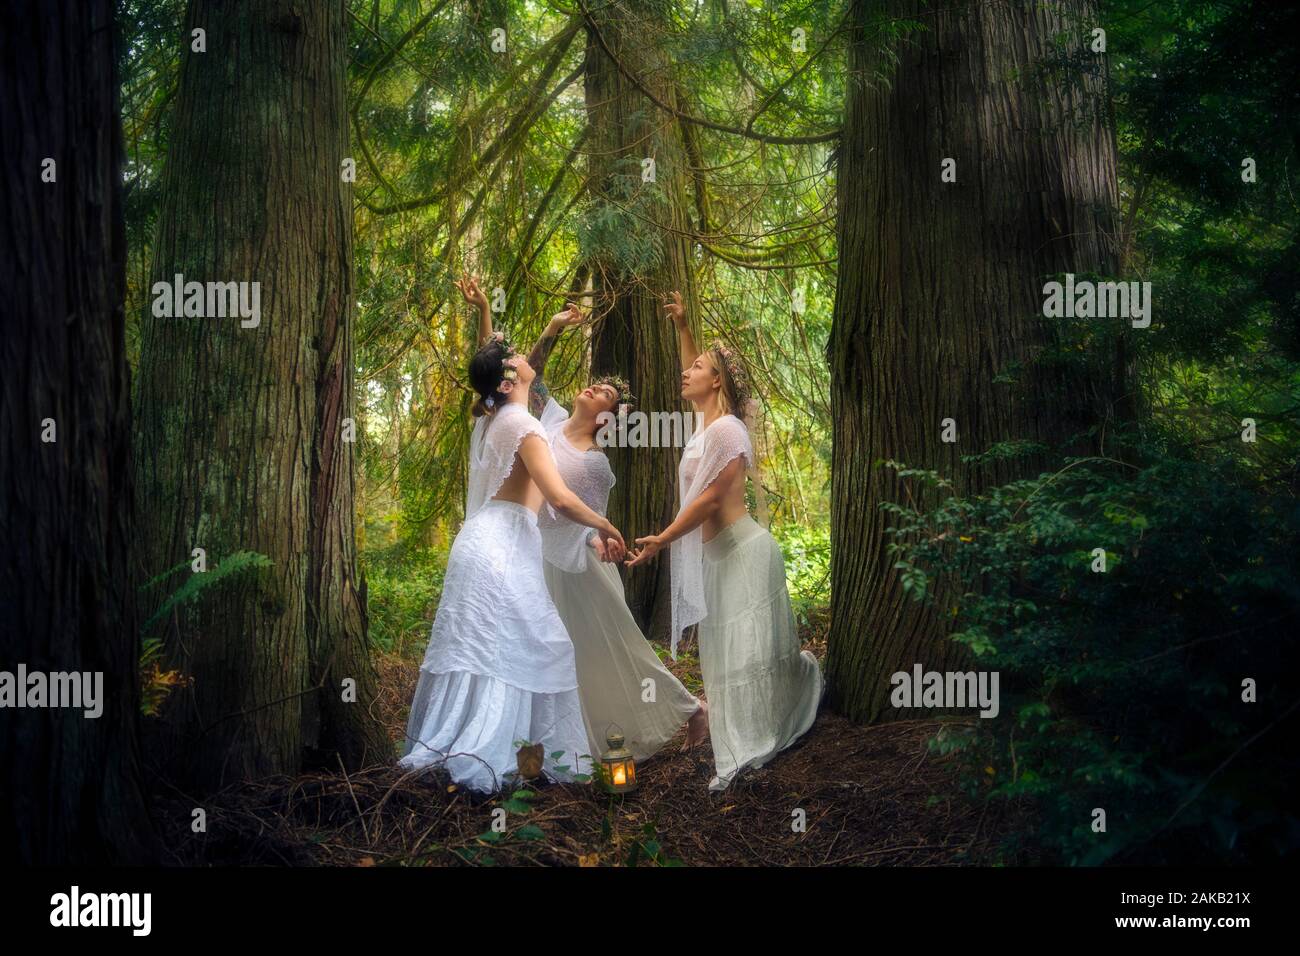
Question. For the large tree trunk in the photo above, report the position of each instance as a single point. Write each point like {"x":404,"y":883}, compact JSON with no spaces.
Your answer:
{"x":635,"y":339}
{"x":71,"y":784}
{"x":940,"y":291}
{"x":240,"y":429}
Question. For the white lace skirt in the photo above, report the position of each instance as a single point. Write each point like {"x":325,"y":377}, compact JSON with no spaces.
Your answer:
{"x":763,"y":691}
{"x":499,"y":670}
{"x":615,"y":661}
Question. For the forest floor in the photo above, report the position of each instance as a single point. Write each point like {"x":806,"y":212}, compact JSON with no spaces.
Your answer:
{"x":871,"y":795}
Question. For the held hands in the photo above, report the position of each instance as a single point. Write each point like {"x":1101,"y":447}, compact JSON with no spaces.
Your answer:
{"x":603,"y":550}
{"x":609,"y":544}
{"x":650,"y":546}
{"x":674,"y":309}
{"x":469,"y":288}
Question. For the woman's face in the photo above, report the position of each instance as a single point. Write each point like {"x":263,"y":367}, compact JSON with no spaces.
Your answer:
{"x":701,"y":379}
{"x":523,"y":371}
{"x":595,"y":399}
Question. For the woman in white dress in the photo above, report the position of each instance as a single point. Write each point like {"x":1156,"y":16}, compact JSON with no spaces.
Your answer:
{"x":728,"y":576}
{"x":499,"y":668}
{"x":621,"y":680}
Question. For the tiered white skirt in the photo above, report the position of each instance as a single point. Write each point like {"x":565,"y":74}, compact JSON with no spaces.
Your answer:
{"x":763,"y":691}
{"x":499,"y":671}
{"x":621,"y":680}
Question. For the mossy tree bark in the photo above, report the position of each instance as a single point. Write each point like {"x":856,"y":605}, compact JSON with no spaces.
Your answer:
{"x":241,"y":435}
{"x":938,"y":309}
{"x":642,"y":251}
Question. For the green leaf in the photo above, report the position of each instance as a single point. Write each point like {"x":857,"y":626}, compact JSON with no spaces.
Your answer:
{"x":199,"y":583}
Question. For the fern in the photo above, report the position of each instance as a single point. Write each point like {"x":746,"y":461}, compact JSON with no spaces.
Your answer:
{"x":197,"y":583}
{"x":156,"y":683}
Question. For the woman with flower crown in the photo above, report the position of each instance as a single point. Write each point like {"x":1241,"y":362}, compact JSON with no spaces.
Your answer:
{"x":728,"y":576}
{"x":613,"y":657}
{"x":499,"y":669}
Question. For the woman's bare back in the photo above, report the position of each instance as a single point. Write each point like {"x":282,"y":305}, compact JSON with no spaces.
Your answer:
{"x":519,"y":486}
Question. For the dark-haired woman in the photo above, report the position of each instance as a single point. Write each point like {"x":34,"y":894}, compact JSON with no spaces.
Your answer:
{"x":621,"y":680}
{"x":499,"y":669}
{"x":728,"y":575}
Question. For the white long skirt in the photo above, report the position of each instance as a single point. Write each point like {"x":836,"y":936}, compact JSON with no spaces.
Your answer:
{"x":615,"y":661}
{"x":763,"y":691}
{"x":499,"y":669}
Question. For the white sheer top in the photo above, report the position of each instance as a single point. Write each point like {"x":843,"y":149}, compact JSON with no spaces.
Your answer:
{"x":589,"y":476}
{"x":492,"y":448}
{"x":705,"y":455}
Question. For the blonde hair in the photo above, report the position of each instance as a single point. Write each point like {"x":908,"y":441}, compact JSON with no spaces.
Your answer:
{"x":731,"y":396}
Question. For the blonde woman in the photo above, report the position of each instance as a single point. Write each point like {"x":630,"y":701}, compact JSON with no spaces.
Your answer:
{"x":728,"y":576}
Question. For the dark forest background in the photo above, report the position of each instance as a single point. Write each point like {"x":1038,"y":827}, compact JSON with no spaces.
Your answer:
{"x":798,"y":202}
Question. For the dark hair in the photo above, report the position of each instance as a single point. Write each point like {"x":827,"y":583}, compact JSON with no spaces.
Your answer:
{"x":624,"y":394}
{"x":486,"y":372}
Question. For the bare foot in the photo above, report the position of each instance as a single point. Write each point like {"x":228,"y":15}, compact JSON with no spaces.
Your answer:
{"x":697,"y":728}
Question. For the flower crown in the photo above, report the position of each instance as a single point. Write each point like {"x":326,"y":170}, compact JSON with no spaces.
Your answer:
{"x":509,"y":376}
{"x":736,"y":370}
{"x":625,"y":396}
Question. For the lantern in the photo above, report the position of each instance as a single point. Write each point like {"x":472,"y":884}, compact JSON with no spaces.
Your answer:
{"x":618,"y":769}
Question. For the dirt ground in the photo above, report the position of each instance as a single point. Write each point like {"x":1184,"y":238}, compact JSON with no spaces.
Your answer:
{"x":869,"y":795}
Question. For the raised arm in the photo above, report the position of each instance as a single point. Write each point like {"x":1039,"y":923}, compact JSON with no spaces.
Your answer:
{"x":541,"y":468}
{"x":469,"y":288}
{"x":537,"y":393}
{"x":685,"y":340}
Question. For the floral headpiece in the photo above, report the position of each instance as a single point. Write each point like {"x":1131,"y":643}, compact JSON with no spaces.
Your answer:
{"x":509,"y":376}
{"x":625,"y":396}
{"x":736,"y":369}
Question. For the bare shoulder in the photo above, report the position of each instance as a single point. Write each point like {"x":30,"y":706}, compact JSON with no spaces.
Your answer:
{"x":728,"y":430}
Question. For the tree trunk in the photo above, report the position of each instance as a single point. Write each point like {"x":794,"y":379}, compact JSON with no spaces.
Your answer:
{"x":71,"y":792}
{"x":240,"y":427}
{"x":635,"y":339}
{"x":940,"y":292}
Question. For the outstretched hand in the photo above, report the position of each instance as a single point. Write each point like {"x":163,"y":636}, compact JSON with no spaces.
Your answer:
{"x":469,"y":288}
{"x":650,"y":546}
{"x":674,"y":309}
{"x":571,"y":316}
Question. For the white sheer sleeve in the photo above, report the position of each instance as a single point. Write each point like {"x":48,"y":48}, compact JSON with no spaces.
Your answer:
{"x":724,"y":440}
{"x":553,"y":414}
{"x":492,"y":449}
{"x":703,"y":459}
